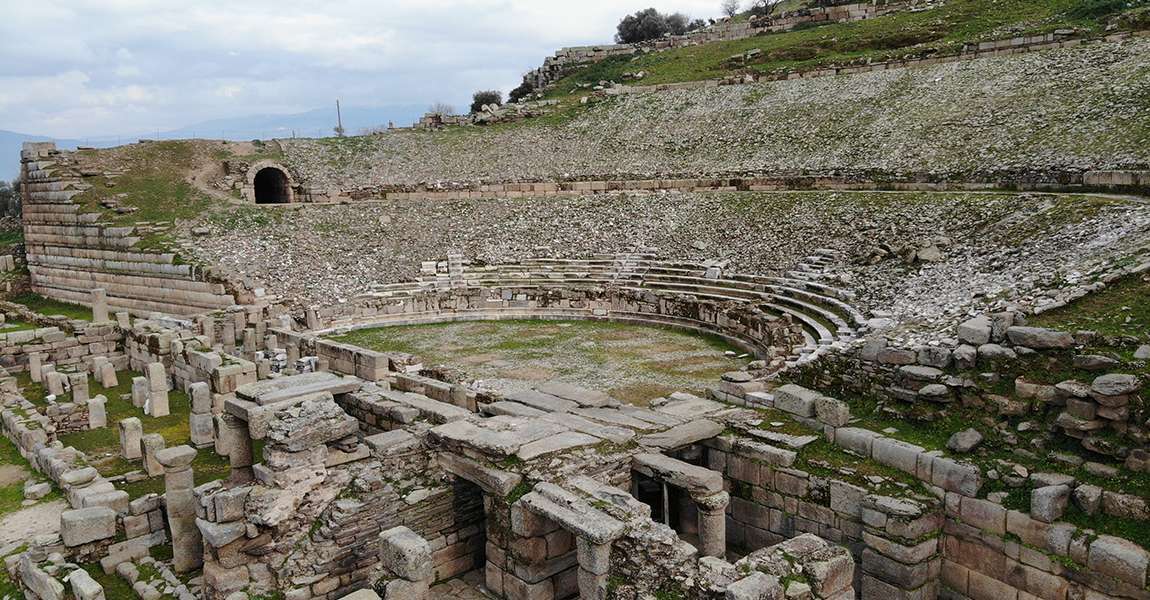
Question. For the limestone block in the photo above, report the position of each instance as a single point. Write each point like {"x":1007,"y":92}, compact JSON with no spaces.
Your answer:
{"x":1120,"y":559}
{"x":55,"y":383}
{"x":85,"y":525}
{"x":97,"y":413}
{"x":1038,"y":338}
{"x":976,"y":331}
{"x":200,"y":394}
{"x":79,"y":384}
{"x":833,"y":412}
{"x":313,"y":422}
{"x":756,"y":586}
{"x":202,"y":429}
{"x":405,"y":553}
{"x":139,"y":391}
{"x":796,"y":400}
{"x":42,"y":585}
{"x":150,"y":445}
{"x":157,"y":377}
{"x":131,"y":433}
{"x":84,"y":587}
{"x":107,"y":375}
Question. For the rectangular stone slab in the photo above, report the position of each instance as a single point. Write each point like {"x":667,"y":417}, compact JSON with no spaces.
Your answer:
{"x":581,"y":396}
{"x":617,"y":435}
{"x":541,"y":401}
{"x":683,"y":435}
{"x":556,"y":443}
{"x":696,"y":480}
{"x":489,"y":479}
{"x":499,"y":436}
{"x":283,"y":389}
{"x":690,"y":406}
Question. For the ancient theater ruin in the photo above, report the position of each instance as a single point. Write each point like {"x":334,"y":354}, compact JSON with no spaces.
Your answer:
{"x":848,"y":330}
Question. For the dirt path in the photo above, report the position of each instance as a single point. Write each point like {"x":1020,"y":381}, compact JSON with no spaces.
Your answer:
{"x":27,"y":523}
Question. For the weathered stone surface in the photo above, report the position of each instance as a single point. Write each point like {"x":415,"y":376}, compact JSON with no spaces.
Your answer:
{"x":683,"y":435}
{"x":493,"y":481}
{"x":1115,"y":384}
{"x":698,"y":481}
{"x":309,"y":424}
{"x":756,"y":586}
{"x":84,"y":525}
{"x":557,"y":443}
{"x":1120,"y":559}
{"x":976,"y":331}
{"x":1039,"y":338}
{"x":405,"y":553}
{"x":581,"y":396}
{"x":964,"y":441}
{"x":833,"y":412}
{"x":283,"y":389}
{"x":796,"y":400}
{"x":84,"y":587}
{"x":1047,"y":504}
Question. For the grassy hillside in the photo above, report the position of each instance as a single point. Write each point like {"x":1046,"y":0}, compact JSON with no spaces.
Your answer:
{"x":940,"y":30}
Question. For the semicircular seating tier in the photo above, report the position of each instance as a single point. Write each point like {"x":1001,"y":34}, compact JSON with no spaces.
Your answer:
{"x":638,"y":288}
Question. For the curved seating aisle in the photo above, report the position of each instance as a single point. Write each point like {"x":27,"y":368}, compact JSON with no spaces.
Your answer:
{"x":804,"y":294}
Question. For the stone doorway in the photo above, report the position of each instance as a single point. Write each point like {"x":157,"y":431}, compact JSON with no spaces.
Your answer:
{"x":272,"y":186}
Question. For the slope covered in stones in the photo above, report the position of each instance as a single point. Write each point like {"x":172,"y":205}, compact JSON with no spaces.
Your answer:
{"x":1070,"y":109}
{"x":993,"y":248}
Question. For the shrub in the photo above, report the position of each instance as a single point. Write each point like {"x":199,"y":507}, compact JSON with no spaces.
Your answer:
{"x":524,"y":90}
{"x":485,"y":97}
{"x":730,"y":7}
{"x":644,"y":25}
{"x":763,"y":8}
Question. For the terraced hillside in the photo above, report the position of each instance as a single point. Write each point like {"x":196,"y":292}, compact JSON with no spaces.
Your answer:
{"x":1066,"y":110}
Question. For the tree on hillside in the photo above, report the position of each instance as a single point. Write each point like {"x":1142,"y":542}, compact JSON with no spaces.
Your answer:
{"x":730,"y":7}
{"x":484,"y":98}
{"x":764,"y":8}
{"x":644,"y":25}
{"x":524,"y":90}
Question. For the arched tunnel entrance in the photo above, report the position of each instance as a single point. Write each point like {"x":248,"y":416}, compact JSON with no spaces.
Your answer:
{"x":272,"y":186}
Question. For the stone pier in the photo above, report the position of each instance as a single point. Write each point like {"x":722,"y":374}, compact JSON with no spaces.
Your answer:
{"x":179,"y":480}
{"x":99,"y":305}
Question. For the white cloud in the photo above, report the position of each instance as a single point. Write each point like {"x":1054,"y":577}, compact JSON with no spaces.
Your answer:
{"x":125,"y":66}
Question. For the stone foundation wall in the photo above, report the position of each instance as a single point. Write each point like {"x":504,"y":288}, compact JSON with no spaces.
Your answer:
{"x":60,"y":348}
{"x":70,"y":252}
{"x":1132,"y":180}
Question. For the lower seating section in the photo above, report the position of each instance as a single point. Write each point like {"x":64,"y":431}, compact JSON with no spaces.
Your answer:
{"x":632,"y":287}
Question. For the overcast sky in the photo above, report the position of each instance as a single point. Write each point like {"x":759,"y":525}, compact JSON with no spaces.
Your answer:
{"x":78,"y":68}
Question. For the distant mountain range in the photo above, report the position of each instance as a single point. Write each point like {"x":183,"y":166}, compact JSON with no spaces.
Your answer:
{"x":318,"y":122}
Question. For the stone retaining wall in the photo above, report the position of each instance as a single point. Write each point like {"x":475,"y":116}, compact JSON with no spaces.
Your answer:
{"x":1130,"y":181}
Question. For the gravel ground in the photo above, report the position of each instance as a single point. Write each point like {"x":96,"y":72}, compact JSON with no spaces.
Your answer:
{"x":995,"y":247}
{"x":1068,"y":109}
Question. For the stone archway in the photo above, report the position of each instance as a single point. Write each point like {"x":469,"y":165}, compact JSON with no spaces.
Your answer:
{"x":270,"y":183}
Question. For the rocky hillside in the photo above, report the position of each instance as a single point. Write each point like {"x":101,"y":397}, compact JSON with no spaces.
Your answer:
{"x":923,"y":258}
{"x":1071,"y":109}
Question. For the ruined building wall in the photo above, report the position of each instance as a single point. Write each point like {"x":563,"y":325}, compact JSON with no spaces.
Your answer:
{"x":71,"y":252}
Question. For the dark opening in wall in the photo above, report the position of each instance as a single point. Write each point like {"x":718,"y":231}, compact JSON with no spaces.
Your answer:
{"x":272,"y":186}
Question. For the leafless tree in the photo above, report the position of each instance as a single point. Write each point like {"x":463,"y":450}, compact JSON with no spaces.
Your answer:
{"x":441,"y":108}
{"x":730,"y":7}
{"x":764,"y":8}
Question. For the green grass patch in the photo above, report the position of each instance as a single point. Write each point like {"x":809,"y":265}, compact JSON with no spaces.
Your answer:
{"x":49,"y":307}
{"x":944,"y":29}
{"x":1122,"y":308}
{"x":633,"y":363}
{"x":103,"y":445}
